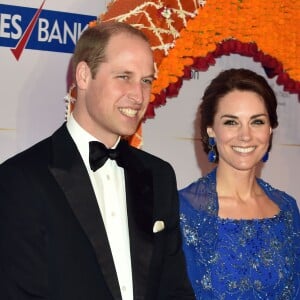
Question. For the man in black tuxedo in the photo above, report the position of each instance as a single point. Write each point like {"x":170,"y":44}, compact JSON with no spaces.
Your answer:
{"x":84,"y":221}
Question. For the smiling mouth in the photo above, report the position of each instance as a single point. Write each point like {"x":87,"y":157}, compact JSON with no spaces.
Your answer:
{"x":128,"y":112}
{"x":243,"y":149}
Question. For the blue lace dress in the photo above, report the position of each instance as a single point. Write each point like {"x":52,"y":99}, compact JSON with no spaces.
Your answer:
{"x":240,"y":259}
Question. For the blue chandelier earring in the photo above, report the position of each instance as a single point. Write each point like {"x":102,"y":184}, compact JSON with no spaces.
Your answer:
{"x":265,"y":157}
{"x":212,"y":155}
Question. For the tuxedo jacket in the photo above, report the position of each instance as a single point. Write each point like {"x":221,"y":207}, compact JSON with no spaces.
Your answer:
{"x":53,"y":243}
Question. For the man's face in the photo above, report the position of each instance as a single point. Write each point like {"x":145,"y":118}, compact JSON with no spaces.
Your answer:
{"x":115,"y":101}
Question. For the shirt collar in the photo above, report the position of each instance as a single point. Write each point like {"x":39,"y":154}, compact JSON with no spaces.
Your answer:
{"x":82,"y":138}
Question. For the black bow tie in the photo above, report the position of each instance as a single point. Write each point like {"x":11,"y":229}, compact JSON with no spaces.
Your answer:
{"x":99,"y":155}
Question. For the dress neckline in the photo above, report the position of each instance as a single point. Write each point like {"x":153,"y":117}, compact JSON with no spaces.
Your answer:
{"x":253,"y":220}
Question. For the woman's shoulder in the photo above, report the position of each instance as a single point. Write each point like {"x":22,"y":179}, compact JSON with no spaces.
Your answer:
{"x":279,"y":196}
{"x":201,"y":194}
{"x":200,"y":185}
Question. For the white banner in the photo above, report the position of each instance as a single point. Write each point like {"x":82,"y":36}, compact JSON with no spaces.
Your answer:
{"x":36,"y":42}
{"x":36,"y":39}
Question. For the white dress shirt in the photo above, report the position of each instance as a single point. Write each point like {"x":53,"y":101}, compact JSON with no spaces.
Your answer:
{"x":109,"y":186}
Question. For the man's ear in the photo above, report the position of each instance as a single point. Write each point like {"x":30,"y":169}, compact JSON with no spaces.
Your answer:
{"x":82,"y":75}
{"x":210,"y":132}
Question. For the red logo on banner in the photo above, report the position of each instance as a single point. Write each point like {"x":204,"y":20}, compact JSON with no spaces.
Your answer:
{"x":17,"y":51}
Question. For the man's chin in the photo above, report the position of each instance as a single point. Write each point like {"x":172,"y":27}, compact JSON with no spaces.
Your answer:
{"x":128,"y":133}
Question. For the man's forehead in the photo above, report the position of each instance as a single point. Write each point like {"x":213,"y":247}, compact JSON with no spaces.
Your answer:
{"x":127,"y":48}
{"x":121,"y":36}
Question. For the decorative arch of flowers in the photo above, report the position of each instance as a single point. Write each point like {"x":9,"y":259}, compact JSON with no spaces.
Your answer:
{"x":191,"y":34}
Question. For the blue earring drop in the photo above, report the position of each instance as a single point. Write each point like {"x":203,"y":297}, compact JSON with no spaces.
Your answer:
{"x":212,"y":155}
{"x":265,"y":157}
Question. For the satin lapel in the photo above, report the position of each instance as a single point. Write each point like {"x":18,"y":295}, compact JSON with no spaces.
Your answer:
{"x":139,"y":193}
{"x":70,"y":173}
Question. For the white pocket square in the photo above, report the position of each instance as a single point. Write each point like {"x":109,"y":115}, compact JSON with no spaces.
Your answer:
{"x":158,"y":226}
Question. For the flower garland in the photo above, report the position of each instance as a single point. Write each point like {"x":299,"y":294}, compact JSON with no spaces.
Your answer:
{"x":160,"y":20}
{"x":267,"y":31}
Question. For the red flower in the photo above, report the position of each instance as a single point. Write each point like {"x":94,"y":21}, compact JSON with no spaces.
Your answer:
{"x":150,"y":113}
{"x":160,"y":99}
{"x":201,"y":63}
{"x":187,"y":73}
{"x":173,"y":88}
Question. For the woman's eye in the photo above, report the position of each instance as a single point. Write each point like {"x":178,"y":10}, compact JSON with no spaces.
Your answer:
{"x":230,"y":122}
{"x":258,"y":122}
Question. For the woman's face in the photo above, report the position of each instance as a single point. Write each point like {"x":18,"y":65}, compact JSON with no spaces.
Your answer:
{"x":241,"y":129}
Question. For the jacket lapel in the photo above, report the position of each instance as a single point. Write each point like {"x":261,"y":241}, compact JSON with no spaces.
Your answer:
{"x":139,"y":195}
{"x":70,"y":173}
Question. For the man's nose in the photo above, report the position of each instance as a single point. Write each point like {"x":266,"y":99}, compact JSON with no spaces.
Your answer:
{"x":136,"y":93}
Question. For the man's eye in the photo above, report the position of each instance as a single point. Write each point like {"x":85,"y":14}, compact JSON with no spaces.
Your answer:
{"x":125,"y":77}
{"x":148,"y":80}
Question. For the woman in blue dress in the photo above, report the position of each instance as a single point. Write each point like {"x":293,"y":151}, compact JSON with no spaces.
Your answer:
{"x":241,"y":236}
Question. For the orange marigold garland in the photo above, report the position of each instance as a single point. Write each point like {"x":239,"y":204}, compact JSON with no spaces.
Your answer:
{"x":250,"y":28}
{"x":190,"y":34}
{"x":160,"y":20}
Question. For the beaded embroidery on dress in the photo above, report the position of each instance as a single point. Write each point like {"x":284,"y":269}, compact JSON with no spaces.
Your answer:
{"x":240,"y":259}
